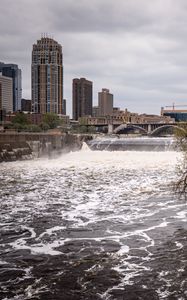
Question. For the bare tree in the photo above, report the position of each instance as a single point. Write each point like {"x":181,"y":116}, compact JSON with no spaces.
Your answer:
{"x":180,"y":187}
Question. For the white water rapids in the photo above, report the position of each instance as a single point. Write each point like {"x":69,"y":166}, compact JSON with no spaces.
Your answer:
{"x":95,"y":213}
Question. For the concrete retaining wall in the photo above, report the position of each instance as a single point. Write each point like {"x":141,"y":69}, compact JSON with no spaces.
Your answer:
{"x":15,"y":146}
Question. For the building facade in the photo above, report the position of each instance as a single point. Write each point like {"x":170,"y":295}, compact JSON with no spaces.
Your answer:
{"x":105,"y":103}
{"x":6,"y":94}
{"x":64,"y":106}
{"x":26,"y":105}
{"x":12,"y":71}
{"x":125,"y":116}
{"x":47,"y":76}
{"x":82,"y":98}
{"x":95,"y":111}
{"x":179,"y":115}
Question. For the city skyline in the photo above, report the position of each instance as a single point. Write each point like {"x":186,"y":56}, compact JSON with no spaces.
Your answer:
{"x":140,"y":55}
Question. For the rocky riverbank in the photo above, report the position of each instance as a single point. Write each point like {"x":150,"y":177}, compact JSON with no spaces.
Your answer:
{"x":19,"y":146}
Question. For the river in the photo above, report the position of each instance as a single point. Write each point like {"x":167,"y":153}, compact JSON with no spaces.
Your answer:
{"x":93,"y":225}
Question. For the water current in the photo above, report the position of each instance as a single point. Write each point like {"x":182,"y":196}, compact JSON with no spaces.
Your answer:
{"x":93,"y":225}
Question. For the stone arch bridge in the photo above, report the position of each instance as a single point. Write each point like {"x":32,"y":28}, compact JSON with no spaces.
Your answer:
{"x":153,"y":129}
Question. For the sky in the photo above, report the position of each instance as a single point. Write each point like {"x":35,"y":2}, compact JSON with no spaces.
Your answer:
{"x":135,"y":48}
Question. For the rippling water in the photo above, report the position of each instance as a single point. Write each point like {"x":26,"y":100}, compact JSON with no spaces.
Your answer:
{"x":93,"y":225}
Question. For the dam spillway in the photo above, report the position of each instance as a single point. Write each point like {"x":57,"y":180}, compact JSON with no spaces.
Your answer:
{"x":132,"y":144}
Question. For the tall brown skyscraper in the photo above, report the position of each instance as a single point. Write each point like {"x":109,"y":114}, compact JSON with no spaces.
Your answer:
{"x":47,"y":76}
{"x":105,"y":101}
{"x":82,"y":98}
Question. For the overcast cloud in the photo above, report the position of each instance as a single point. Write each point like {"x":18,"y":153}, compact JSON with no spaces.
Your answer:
{"x":136,"y":48}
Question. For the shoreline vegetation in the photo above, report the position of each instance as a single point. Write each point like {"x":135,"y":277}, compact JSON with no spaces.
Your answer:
{"x":180,"y":187}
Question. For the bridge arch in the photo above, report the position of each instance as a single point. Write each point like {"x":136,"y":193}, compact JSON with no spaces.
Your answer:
{"x":156,"y":131}
{"x":123,"y":126}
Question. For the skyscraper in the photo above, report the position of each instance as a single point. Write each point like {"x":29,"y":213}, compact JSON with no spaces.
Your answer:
{"x":82,"y":98}
{"x":64,"y":106}
{"x":105,"y":101}
{"x":47,"y":76}
{"x":12,"y":71}
{"x":6,"y":94}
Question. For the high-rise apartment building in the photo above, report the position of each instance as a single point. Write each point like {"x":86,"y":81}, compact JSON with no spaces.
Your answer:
{"x":82,"y":98}
{"x":6,"y":94}
{"x":12,"y":71}
{"x":105,"y":101}
{"x":47,"y":76}
{"x":64,"y":106}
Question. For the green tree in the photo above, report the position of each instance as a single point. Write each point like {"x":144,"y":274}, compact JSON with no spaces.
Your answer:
{"x":83,"y":121}
{"x":91,"y":129}
{"x":20,"y":118}
{"x":83,"y":129}
{"x":44,"y":126}
{"x":19,"y":127}
{"x":51,"y":119}
{"x":33,"y":128}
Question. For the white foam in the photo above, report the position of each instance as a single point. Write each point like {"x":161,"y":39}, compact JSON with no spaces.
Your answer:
{"x":31,"y":230}
{"x":111,"y":196}
{"x":35,"y":288}
{"x":182,"y":215}
{"x":2,"y":262}
{"x":102,"y":159}
{"x":123,"y":250}
{"x":44,"y":249}
{"x":163,"y":294}
{"x":51,"y":231}
{"x":179,"y":245}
